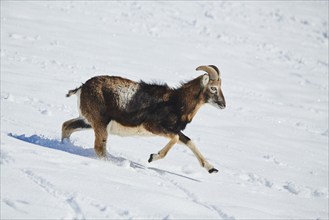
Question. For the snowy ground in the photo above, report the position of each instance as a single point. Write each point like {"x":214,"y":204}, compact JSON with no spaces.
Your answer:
{"x":270,"y":144}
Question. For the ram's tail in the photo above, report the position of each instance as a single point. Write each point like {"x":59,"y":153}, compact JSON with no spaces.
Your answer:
{"x":72,"y":92}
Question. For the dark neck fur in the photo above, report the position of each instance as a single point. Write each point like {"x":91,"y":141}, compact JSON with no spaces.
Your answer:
{"x":190,"y":95}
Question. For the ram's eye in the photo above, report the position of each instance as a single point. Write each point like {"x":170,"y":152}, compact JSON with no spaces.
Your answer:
{"x":213,"y":89}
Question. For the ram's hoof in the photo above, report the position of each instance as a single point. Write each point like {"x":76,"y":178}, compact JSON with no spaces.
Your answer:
{"x":213,"y":170}
{"x":151,"y":158}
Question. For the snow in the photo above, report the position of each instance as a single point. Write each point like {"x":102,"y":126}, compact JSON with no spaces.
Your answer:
{"x":270,"y":144}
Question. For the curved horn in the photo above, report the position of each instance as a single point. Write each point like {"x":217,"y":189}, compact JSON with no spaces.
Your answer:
{"x":211,"y":70}
{"x":215,"y":68}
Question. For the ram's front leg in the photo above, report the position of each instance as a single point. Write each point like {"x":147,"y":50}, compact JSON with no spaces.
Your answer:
{"x":163,"y":152}
{"x":203,"y":162}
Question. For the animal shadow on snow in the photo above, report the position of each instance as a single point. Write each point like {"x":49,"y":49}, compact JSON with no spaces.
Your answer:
{"x":69,"y":147}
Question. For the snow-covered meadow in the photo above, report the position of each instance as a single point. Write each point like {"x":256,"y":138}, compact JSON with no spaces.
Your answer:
{"x":270,"y":144}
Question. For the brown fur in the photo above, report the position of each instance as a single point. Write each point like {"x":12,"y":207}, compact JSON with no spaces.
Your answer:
{"x":133,"y":107}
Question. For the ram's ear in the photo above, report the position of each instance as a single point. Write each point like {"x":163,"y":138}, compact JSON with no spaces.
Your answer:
{"x":204,"y":80}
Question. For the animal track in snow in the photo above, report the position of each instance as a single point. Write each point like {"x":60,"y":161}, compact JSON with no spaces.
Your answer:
{"x":8,"y":97}
{"x":24,"y":37}
{"x":49,"y":188}
{"x":43,"y":107}
{"x":15,"y":204}
{"x":255,"y":179}
{"x":76,"y":203}
{"x":304,"y":191}
{"x":5,"y":158}
{"x":290,"y":187}
{"x":271,"y":158}
{"x":192,"y":197}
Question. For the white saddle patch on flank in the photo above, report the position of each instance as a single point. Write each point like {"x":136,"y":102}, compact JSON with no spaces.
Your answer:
{"x":124,"y":93}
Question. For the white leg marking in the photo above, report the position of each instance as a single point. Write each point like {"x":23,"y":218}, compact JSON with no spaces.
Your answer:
{"x":163,"y":152}
{"x":203,"y":162}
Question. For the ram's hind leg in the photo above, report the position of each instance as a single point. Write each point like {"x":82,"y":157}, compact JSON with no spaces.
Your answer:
{"x":70,"y":126}
{"x":203,"y":162}
{"x":163,"y":152}
{"x":100,"y":140}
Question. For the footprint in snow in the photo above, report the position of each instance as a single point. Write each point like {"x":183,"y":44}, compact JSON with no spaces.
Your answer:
{"x":23,"y":37}
{"x":305,"y":191}
{"x":45,"y":112}
{"x":255,"y":179}
{"x":5,"y":158}
{"x":15,"y":204}
{"x":271,"y":158}
{"x":8,"y":97}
